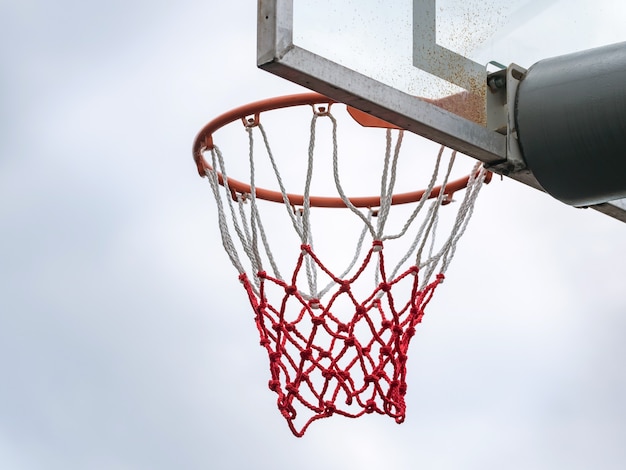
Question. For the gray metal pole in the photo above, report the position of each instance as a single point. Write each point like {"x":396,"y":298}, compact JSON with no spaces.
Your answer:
{"x":571,"y":121}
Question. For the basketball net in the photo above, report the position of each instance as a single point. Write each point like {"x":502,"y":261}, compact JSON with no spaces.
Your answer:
{"x":338,"y":342}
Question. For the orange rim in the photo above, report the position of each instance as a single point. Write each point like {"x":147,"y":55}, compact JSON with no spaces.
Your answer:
{"x":250,"y":116}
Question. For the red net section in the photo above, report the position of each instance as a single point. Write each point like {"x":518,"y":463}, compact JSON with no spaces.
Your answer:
{"x":324,"y":362}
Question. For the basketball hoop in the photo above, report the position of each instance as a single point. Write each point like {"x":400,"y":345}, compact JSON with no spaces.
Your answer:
{"x":337,"y":347}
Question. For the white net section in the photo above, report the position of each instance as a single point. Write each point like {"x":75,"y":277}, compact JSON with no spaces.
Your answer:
{"x":245,"y":220}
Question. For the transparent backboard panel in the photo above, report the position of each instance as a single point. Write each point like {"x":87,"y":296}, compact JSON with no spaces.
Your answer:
{"x":381,"y":56}
{"x":375,"y":37}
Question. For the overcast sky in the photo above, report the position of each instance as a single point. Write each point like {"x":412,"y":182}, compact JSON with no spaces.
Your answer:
{"x":126,"y":341}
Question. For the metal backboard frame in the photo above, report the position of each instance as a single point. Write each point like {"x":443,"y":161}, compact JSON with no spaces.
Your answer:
{"x":277,"y":53}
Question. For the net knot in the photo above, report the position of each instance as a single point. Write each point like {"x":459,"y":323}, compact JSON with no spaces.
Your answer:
{"x":360,"y":310}
{"x":329,"y":408}
{"x":290,"y":327}
{"x":397,"y":329}
{"x":344,"y":286}
{"x":410,"y":332}
{"x":306,"y":354}
{"x":342,"y":328}
{"x":350,"y":341}
{"x":324,"y":354}
{"x":377,"y":245}
{"x":287,"y":411}
{"x":317,"y":320}
{"x":328,"y":374}
{"x":264,"y":342}
{"x":262,"y":275}
{"x":370,"y":406}
{"x":385,"y":286}
{"x":274,"y":385}
{"x":385,"y":351}
{"x":290,"y":290}
{"x":274,"y":356}
{"x":386,"y":324}
{"x":314,"y":304}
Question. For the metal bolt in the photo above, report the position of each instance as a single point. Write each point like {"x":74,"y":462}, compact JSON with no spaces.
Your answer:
{"x":496,"y":82}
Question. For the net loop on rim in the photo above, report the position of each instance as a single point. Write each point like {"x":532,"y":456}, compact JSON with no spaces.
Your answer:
{"x":251,"y":121}
{"x":337,"y":339}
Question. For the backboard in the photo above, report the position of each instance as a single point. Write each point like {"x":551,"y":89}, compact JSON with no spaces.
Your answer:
{"x":423,"y":64}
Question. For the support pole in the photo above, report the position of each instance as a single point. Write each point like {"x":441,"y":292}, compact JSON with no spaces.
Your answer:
{"x":571,"y":121}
